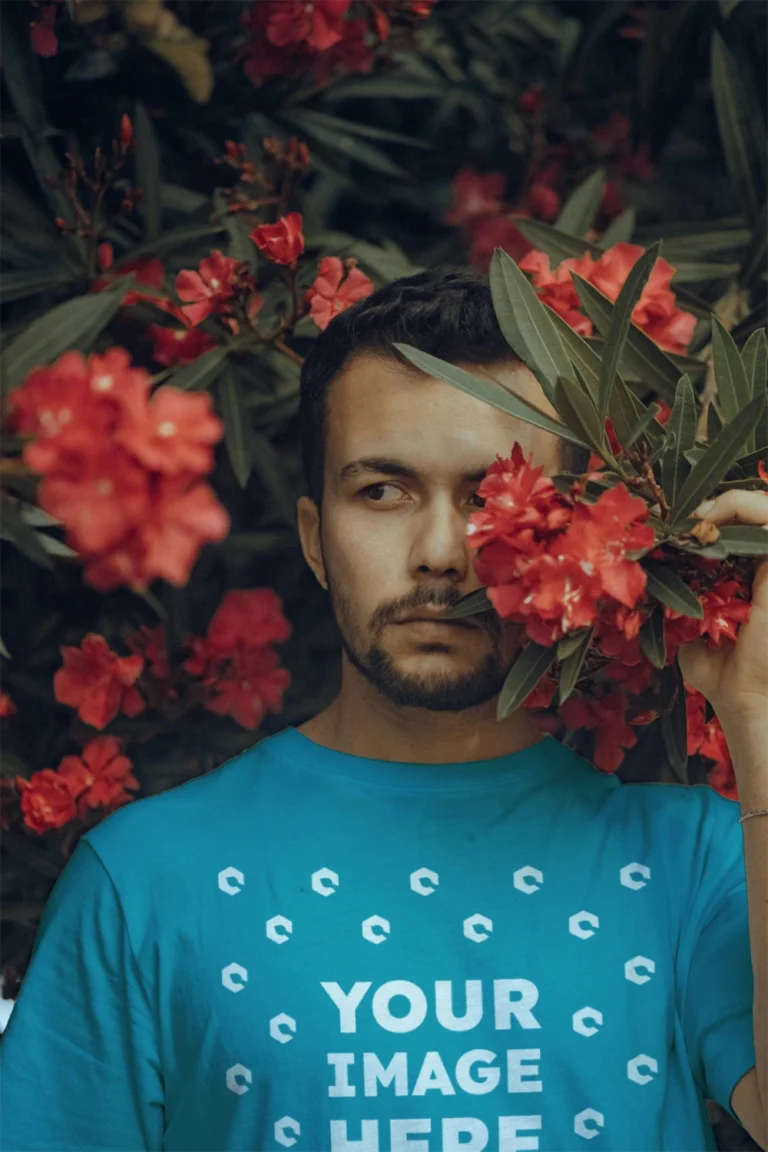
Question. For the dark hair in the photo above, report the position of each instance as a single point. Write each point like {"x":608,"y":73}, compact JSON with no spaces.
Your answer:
{"x":447,"y":311}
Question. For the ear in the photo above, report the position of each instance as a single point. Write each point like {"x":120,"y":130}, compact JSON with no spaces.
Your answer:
{"x":308,"y":522}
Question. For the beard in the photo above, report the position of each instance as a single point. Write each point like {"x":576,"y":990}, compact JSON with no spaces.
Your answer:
{"x":442,"y":692}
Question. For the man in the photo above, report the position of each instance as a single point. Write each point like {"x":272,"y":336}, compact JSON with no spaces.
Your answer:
{"x":403,"y":924}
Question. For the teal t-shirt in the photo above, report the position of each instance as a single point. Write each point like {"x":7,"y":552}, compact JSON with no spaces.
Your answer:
{"x":309,"y":950}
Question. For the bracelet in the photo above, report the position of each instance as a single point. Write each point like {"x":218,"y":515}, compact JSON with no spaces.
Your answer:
{"x":746,"y":816}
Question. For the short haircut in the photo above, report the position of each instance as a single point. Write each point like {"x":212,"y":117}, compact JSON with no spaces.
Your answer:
{"x":446,"y":311}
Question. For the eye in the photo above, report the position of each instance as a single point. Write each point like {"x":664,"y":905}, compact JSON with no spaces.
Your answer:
{"x":374,"y":492}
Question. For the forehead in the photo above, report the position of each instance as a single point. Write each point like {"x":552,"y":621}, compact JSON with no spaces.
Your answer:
{"x":377,"y":407}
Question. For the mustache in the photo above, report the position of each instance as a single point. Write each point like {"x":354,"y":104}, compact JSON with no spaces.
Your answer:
{"x":426,"y":597}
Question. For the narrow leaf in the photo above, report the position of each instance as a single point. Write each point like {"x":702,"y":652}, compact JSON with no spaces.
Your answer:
{"x":641,"y":357}
{"x":652,"y":637}
{"x":555,"y":244}
{"x":524,"y":675}
{"x":733,"y":387}
{"x":642,"y":425}
{"x":470,"y":605}
{"x":755,"y":360}
{"x":621,"y":317}
{"x":75,"y":323}
{"x":581,"y":354}
{"x":526,"y":323}
{"x":620,"y":230}
{"x":742,"y":129}
{"x":14,"y":529}
{"x":236,"y":434}
{"x":674,"y":723}
{"x":148,"y":172}
{"x":681,"y":437}
{"x":666,"y":586}
{"x":489,"y":390}
{"x":717,"y":459}
{"x":745,"y":539}
{"x":265,"y":461}
{"x":201,"y":372}
{"x":572,"y":665}
{"x":579,"y":211}
{"x":579,"y":413}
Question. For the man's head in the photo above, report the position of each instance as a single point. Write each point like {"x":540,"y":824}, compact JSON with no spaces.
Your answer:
{"x":393,"y":459}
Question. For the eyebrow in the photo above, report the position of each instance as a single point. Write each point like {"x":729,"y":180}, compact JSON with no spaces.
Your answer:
{"x":384,"y":465}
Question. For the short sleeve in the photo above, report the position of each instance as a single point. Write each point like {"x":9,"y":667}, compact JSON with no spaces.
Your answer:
{"x":719,"y":988}
{"x":80,"y":1069}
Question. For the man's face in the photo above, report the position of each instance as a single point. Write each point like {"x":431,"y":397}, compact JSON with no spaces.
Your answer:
{"x":405,"y":454}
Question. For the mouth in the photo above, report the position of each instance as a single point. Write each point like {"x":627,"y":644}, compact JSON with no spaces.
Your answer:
{"x":438,"y":621}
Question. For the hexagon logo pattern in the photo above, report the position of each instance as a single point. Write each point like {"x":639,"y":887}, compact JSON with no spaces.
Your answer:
{"x":287,"y":1124}
{"x":277,"y":1023}
{"x":321,"y":875}
{"x":369,"y":929}
{"x":273,"y":926}
{"x":472,"y":930}
{"x":235,"y":1075}
{"x":231,"y":881}
{"x":234,"y":977}
{"x":418,"y":878}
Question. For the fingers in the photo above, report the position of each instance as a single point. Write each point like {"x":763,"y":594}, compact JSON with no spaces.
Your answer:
{"x":736,"y":505}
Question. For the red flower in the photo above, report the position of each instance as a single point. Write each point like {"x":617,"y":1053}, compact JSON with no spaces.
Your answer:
{"x":251,"y":684}
{"x":249,"y":618}
{"x":491,"y":232}
{"x":314,"y":22}
{"x":353,"y":53}
{"x":608,"y":716}
{"x":7,"y":706}
{"x":522,"y":508}
{"x":557,"y":287}
{"x":474,"y":194}
{"x":98,"y":777}
{"x":543,"y":201}
{"x":283,"y":242}
{"x":146,"y":270}
{"x":98,"y":682}
{"x":208,"y":290}
{"x":172,"y":346}
{"x":332,"y":292}
{"x":98,"y":498}
{"x":532,"y":98}
{"x":41,"y":34}
{"x":46,"y":801}
{"x":173,"y":433}
{"x":600,"y":536}
{"x":726,"y":606}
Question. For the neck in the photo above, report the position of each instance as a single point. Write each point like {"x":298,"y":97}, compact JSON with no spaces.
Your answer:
{"x":362,"y":722}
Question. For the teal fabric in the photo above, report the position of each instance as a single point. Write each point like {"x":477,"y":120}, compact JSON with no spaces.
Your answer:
{"x":309,"y":950}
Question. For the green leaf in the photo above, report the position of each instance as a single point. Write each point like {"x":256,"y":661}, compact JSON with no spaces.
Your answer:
{"x":652,"y":637}
{"x":572,"y":665}
{"x":664,"y":585}
{"x":641,"y":428}
{"x":579,"y":413}
{"x":236,"y":432}
{"x":21,"y":285}
{"x":470,"y":605}
{"x":4,"y":651}
{"x":702,"y":271}
{"x":557,"y":245}
{"x":749,"y":463}
{"x":733,"y":387}
{"x":716,"y":461}
{"x":754,"y":357}
{"x":674,"y":723}
{"x":148,"y":172}
{"x":265,"y":461}
{"x":620,"y":230}
{"x":489,"y":391}
{"x":523,"y":676}
{"x":201,"y":372}
{"x":526,"y":323}
{"x":74,"y":324}
{"x":640,"y":356}
{"x":581,"y":354}
{"x":742,"y":129}
{"x":580,"y":209}
{"x":745,"y":539}
{"x":621,"y":316}
{"x":14,"y":529}
{"x":338,"y":124}
{"x":340,"y":143}
{"x":21,"y":70}
{"x":681,"y":437}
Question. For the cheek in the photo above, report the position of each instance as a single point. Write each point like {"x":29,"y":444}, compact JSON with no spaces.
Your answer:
{"x":362,"y":561}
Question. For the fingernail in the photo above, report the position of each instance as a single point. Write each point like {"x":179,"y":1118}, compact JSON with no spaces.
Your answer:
{"x":705,"y":508}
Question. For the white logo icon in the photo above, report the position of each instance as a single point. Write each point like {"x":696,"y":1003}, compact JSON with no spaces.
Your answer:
{"x":226,"y":881}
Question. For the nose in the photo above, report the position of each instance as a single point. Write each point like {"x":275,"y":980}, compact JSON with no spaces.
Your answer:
{"x":439,"y":547}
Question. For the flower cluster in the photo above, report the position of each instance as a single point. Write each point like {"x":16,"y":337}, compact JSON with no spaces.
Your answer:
{"x":321,"y":37}
{"x":98,"y":778}
{"x":121,"y":466}
{"x":487,"y":220}
{"x":656,"y":312}
{"x":556,"y":564}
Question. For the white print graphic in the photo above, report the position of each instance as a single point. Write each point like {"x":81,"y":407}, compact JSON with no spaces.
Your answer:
{"x":287,"y":1124}
{"x":447,"y":1136}
{"x":229,"y":977}
{"x":580,"y":1123}
{"x":369,"y":929}
{"x":629,"y":869}
{"x":504,"y":1007}
{"x":521,"y":882}
{"x":275,"y":1025}
{"x":321,"y":875}
{"x":226,"y":881}
{"x":235,"y":1074}
{"x":641,"y":1061}
{"x":276,"y":923}
{"x":631,"y":966}
{"x":586,"y":1014}
{"x":471,"y":930}
{"x":433,"y":1076}
{"x":418,"y":878}
{"x":575,"y":924}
